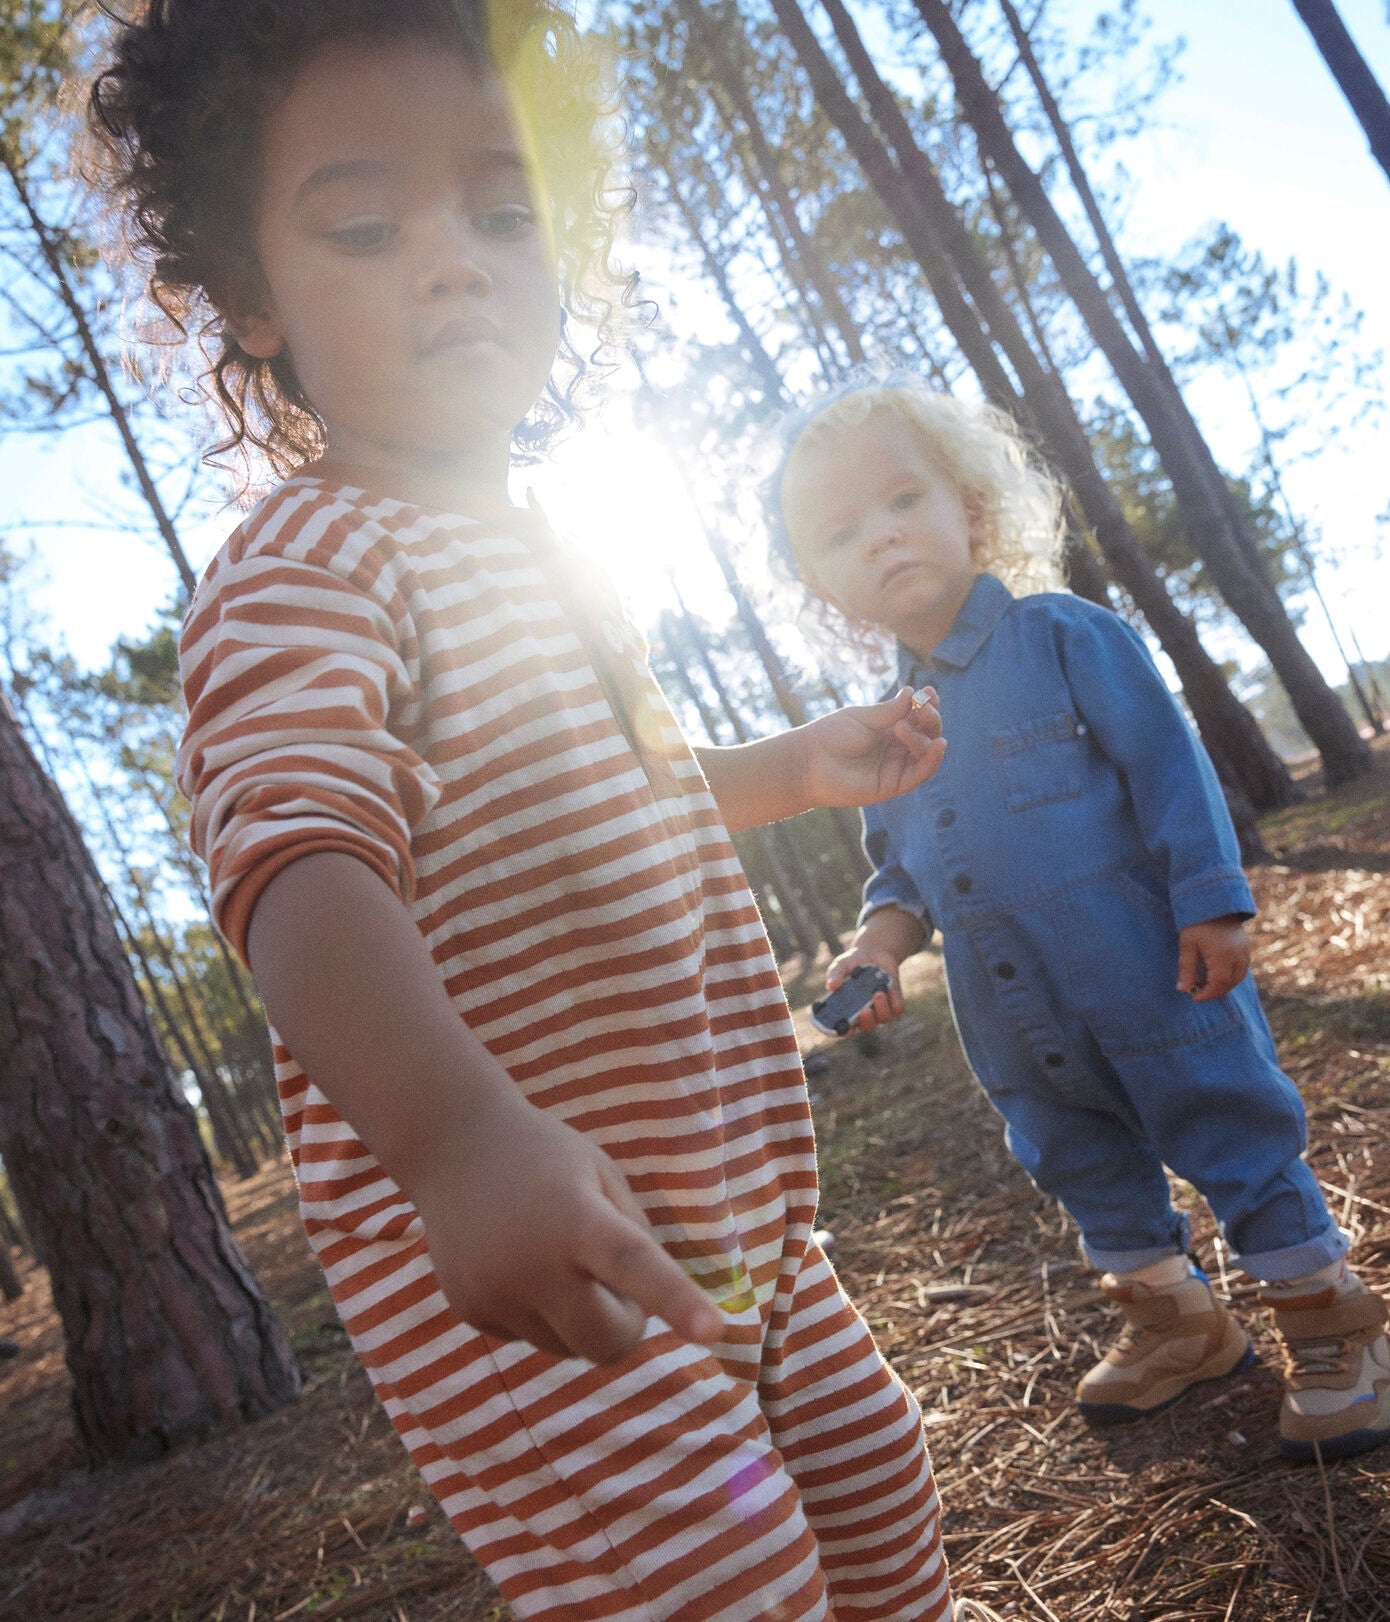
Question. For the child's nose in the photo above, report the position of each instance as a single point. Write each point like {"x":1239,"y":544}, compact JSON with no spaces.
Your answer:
{"x":450,"y":261}
{"x":881,"y":531}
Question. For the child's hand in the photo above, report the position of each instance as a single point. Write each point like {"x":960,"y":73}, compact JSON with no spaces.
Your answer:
{"x":535,"y":1235}
{"x":1213,"y":956}
{"x":870,"y":752}
{"x":887,"y":1005}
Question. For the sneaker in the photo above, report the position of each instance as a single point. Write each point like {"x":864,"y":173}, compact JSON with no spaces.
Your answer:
{"x":970,"y":1610}
{"x":1176,"y":1336}
{"x":1337,"y":1372}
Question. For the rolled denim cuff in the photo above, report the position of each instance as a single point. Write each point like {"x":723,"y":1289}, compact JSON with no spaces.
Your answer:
{"x":1129,"y":1261}
{"x":1277,"y":1266}
{"x":879,"y":902}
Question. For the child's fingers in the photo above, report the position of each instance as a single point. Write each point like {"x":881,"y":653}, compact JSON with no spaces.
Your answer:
{"x":593,"y":1322}
{"x":1225,"y":970}
{"x":924,"y":713}
{"x":916,"y":710}
{"x":919,"y":724}
{"x":528,"y":1326}
{"x":886,"y":1006}
{"x":628,"y":1259}
{"x":1189,"y":963}
{"x":927,"y":754}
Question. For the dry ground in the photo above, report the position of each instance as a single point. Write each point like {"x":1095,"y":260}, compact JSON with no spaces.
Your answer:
{"x":972,"y":1282}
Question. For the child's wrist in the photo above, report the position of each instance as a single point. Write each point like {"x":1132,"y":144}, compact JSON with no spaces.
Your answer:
{"x":472,"y":1109}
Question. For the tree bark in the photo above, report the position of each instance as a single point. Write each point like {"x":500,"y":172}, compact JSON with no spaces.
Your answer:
{"x":1352,"y":73}
{"x":222,"y":1117}
{"x":167,"y":1333}
{"x":944,"y":249}
{"x":1215,"y":525}
{"x":11,"y":1285}
{"x":1076,"y":172}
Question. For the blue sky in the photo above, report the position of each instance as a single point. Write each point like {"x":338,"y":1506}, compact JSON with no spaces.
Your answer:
{"x":1256,"y":133}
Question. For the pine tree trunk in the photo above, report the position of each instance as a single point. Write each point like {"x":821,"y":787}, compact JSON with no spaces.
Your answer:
{"x":1352,"y":73}
{"x":766,"y":174}
{"x":11,"y":1285}
{"x":753,"y":346}
{"x":226,"y":1137}
{"x":167,"y":1333}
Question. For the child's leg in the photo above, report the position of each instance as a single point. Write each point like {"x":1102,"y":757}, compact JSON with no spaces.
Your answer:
{"x":1223,"y":1115}
{"x":672,"y":1485}
{"x":850,"y":1436}
{"x":1079,"y":1137}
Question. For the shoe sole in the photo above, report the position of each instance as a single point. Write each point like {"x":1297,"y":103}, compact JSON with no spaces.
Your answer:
{"x":1115,"y":1413}
{"x":1346,"y":1446}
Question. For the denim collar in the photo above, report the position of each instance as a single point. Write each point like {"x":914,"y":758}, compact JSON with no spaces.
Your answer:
{"x":976,"y":618}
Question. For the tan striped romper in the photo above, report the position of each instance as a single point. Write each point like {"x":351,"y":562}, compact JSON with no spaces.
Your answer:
{"x":370,"y":676}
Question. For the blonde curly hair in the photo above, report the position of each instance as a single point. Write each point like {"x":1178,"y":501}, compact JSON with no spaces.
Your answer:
{"x":1014,"y":503}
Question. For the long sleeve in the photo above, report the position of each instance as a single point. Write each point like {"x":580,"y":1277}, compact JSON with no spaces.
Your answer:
{"x":1176,"y":797}
{"x":890,"y":884}
{"x":296,"y":665}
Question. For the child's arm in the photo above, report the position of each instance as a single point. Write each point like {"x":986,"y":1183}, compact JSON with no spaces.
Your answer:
{"x":1213,"y":957}
{"x":854,"y":756}
{"x":1178,"y":805}
{"x":884,"y":939}
{"x":532,"y":1229}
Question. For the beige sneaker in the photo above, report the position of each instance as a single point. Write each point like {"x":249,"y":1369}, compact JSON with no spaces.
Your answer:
{"x":970,"y":1610}
{"x":1176,"y":1336}
{"x":1337,"y":1369}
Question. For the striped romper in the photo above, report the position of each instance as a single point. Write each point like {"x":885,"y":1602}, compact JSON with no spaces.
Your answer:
{"x":370,"y":676}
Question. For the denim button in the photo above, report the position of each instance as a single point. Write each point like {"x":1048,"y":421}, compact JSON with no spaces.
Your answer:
{"x":964,"y":883}
{"x":1055,"y":1060}
{"x":945,"y":818}
{"x":1005,"y":971}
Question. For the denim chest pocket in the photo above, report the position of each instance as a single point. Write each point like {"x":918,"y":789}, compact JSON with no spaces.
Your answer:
{"x":1041,"y":761}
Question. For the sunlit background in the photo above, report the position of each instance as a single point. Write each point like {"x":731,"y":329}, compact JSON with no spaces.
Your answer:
{"x":1255,"y":133}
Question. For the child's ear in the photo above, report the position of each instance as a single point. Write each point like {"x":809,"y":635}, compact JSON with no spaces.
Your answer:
{"x":260,"y":335}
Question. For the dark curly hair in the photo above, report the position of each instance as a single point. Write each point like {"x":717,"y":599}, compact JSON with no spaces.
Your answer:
{"x":176,"y":115}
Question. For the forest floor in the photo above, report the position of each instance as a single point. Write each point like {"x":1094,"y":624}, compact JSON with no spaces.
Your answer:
{"x":972,"y":1283}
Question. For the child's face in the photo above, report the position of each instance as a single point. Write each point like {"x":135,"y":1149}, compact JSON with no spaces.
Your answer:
{"x":879,"y":530}
{"x":408,"y":274}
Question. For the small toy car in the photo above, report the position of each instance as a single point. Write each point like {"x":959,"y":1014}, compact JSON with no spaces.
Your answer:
{"x":836,"y":1013}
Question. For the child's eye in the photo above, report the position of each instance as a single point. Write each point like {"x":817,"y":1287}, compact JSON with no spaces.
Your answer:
{"x":838,"y":538}
{"x":905,"y":499}
{"x":363,"y":236}
{"x":508,"y":221}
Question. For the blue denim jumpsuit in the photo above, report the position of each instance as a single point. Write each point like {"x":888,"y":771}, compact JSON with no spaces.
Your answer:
{"x":1075,"y":826}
